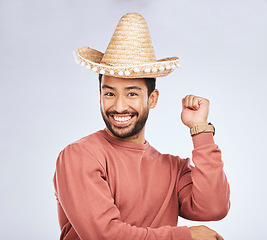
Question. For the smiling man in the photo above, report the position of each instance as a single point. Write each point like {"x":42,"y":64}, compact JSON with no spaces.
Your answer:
{"x":113,"y":184}
{"x":125,"y":106}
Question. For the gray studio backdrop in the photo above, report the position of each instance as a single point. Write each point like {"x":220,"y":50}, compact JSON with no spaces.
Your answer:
{"x":47,"y":101}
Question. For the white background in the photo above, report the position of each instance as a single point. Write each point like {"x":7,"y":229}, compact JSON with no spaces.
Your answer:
{"x":47,"y":101}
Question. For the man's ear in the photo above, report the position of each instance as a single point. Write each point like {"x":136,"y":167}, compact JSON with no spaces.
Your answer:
{"x":153,"y":98}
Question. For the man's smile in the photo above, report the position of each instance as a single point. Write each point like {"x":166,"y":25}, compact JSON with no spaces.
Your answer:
{"x":121,"y":119}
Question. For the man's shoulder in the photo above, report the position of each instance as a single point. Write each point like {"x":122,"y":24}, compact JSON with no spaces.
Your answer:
{"x":92,"y":141}
{"x":90,"y":147}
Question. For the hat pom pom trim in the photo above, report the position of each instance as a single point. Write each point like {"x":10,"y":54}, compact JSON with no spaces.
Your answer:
{"x":149,"y":70}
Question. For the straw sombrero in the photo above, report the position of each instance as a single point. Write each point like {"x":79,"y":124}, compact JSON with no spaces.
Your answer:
{"x":129,"y":54}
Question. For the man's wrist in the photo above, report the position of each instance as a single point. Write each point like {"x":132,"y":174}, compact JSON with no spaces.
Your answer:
{"x":202,"y":128}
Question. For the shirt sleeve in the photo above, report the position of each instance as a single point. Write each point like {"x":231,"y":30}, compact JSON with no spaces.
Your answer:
{"x":203,"y":190}
{"x":84,"y":195}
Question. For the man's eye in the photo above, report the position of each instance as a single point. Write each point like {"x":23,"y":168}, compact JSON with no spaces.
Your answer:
{"x":110,"y":94}
{"x":132,"y":94}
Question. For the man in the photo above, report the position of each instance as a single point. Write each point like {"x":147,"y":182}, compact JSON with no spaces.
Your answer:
{"x":112,"y":184}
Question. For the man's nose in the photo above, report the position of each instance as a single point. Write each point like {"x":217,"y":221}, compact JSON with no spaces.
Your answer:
{"x":120,"y":104}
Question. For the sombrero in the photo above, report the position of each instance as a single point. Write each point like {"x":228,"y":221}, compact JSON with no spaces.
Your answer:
{"x":129,"y":54}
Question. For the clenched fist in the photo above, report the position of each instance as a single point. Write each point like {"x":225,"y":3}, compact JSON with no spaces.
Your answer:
{"x":195,"y":111}
{"x":204,"y":233}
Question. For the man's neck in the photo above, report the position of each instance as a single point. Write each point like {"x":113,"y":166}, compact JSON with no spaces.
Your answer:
{"x":137,"y":138}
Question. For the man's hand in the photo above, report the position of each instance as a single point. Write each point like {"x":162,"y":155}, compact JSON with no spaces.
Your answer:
{"x":204,"y":233}
{"x":195,"y":111}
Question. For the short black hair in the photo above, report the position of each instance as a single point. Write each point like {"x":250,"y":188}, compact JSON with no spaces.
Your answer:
{"x":150,"y":83}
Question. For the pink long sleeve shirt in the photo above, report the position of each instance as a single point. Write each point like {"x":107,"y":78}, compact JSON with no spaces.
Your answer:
{"x":111,"y":189}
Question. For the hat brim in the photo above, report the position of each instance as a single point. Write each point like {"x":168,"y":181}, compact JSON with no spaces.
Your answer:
{"x":91,"y":59}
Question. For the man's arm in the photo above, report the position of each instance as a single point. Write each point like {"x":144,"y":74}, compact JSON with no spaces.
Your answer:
{"x":84,"y":195}
{"x":203,"y":190}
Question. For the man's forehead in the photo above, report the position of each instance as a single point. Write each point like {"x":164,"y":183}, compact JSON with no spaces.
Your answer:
{"x":126,"y":83}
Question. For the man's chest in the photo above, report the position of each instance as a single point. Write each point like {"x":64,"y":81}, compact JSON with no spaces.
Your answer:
{"x":141,"y":186}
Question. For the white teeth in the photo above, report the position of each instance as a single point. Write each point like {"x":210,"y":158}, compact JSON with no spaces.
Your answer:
{"x":122,"y":119}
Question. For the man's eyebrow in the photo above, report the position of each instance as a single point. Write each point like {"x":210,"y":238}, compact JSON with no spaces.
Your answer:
{"x":127,"y":88}
{"x":107,"y":86}
{"x":133,"y":87}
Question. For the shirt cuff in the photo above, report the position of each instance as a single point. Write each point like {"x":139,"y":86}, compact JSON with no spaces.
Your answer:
{"x":203,"y":139}
{"x":183,"y":233}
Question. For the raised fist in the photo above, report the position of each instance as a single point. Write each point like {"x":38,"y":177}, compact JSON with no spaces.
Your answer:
{"x":195,"y":111}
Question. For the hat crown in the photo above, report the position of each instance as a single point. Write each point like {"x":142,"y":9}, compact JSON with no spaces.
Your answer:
{"x":130,"y":44}
{"x":129,"y":53}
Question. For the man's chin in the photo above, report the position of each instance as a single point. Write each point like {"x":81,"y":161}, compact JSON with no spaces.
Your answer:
{"x":121,"y":132}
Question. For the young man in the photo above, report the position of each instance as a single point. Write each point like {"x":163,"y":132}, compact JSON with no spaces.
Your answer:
{"x":112,"y":184}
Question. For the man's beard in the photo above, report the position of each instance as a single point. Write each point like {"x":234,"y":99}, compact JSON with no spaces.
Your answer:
{"x":129,"y":130}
